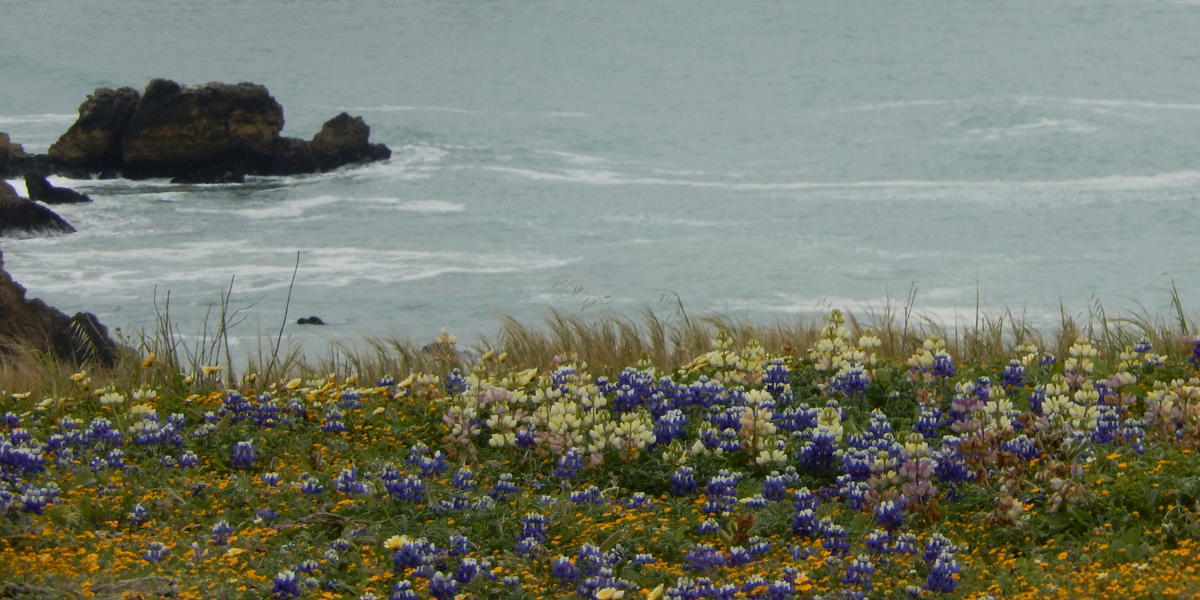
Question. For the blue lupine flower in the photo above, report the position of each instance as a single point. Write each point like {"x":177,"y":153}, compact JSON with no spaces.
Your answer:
{"x":564,"y":570}
{"x":138,"y":514}
{"x":463,"y":479}
{"x":639,"y":500}
{"x":943,"y":365}
{"x":937,"y":545}
{"x":220,"y":533}
{"x":155,"y":553}
{"x":188,"y":460}
{"x":311,"y":486}
{"x":409,"y":488}
{"x":644,"y":559}
{"x":941,"y":575}
{"x":244,"y":455}
{"x":906,"y":543}
{"x":739,"y":556}
{"x":287,"y":584}
{"x":308,"y":566}
{"x":333,"y":420}
{"x":877,"y":541}
{"x":889,"y":514}
{"x":1014,"y":374}
{"x":671,"y":425}
{"x":467,"y":570}
{"x":504,"y":485}
{"x":271,"y":478}
{"x":852,"y":382}
{"x":708,"y":526}
{"x":817,"y":453}
{"x":569,"y":464}
{"x":774,"y":487}
{"x":702,"y":557}
{"x":683,"y":481}
{"x":347,"y":482}
{"x":533,"y":526}
{"x":859,"y":572}
{"x":403,"y":591}
{"x":588,"y":495}
{"x":266,"y":514}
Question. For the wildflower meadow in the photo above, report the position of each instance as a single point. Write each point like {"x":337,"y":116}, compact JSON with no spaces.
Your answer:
{"x":840,"y":467}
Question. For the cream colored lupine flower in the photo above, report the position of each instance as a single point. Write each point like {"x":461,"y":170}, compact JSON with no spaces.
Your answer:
{"x":771,"y":456}
{"x":140,"y":411}
{"x":829,"y":419}
{"x":111,"y":398}
{"x":1083,"y":418}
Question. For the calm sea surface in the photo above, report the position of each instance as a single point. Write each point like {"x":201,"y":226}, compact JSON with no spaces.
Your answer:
{"x":758,"y":159}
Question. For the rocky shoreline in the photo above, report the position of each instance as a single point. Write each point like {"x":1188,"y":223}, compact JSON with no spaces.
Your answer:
{"x":211,"y":133}
{"x":216,"y":132}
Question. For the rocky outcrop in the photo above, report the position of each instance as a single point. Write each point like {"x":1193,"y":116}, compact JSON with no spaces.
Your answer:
{"x":213,"y":133}
{"x":40,"y":190}
{"x":95,"y":138}
{"x":22,"y":216}
{"x":31,"y":324}
{"x":12,"y":156}
{"x":345,"y":139}
{"x":177,"y":129}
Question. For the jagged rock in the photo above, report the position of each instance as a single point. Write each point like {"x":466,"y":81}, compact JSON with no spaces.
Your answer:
{"x":178,"y":129}
{"x":11,"y":155}
{"x":94,"y":141}
{"x":343,"y":140}
{"x":41,"y":190}
{"x":293,"y":156}
{"x":212,"y":133}
{"x":313,"y":320}
{"x":23,"y":216}
{"x":79,"y":339}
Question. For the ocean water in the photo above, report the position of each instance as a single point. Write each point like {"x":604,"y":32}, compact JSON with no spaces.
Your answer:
{"x":760,"y":160}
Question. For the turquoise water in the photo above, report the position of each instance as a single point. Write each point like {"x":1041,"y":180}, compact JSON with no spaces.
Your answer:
{"x":760,"y":160}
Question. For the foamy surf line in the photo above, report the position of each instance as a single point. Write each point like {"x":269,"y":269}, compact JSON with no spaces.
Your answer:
{"x":35,"y":119}
{"x":1172,"y":179}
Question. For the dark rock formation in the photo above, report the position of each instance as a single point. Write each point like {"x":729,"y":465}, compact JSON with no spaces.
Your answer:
{"x":23,"y":216}
{"x":345,"y":139}
{"x":12,"y":156}
{"x":94,"y":141}
{"x":313,"y":320}
{"x":41,"y":190}
{"x":213,"y":133}
{"x":32,"y":324}
{"x":178,"y":129}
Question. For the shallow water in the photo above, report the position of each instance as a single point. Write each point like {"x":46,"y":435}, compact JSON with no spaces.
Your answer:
{"x":760,"y":161}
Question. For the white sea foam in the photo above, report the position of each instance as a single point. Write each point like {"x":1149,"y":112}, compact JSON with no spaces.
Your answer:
{"x":658,"y":220}
{"x":408,"y":108}
{"x":417,"y":206}
{"x":286,"y":209}
{"x":612,"y":178}
{"x":574,"y":158}
{"x":1038,"y":127}
{"x":9,"y":120}
{"x":1112,"y":103}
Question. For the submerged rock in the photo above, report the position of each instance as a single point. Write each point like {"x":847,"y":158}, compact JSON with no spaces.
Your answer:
{"x":212,"y":133}
{"x":31,"y":324}
{"x":23,"y":216}
{"x":41,"y":190}
{"x":313,"y":320}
